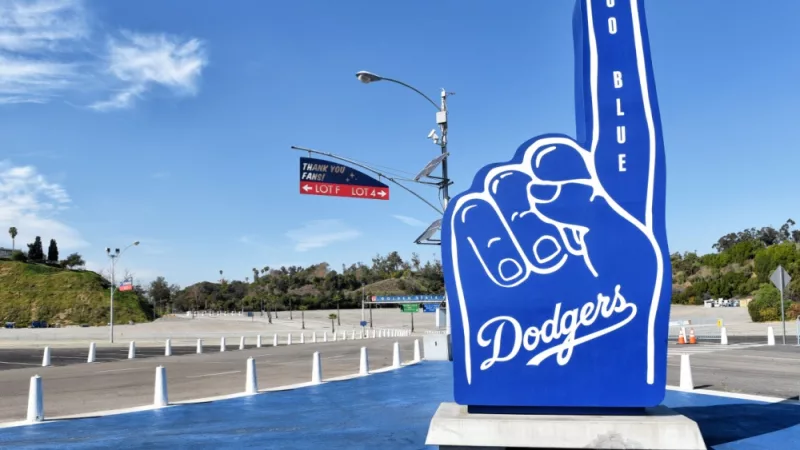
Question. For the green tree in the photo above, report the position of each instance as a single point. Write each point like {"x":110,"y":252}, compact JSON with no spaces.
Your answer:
{"x":17,"y":255}
{"x":159,"y":293}
{"x":52,"y":252}
{"x":303,"y":309}
{"x":766,"y":304}
{"x":72,"y":261}
{"x":332,"y":317}
{"x":13,"y":232}
{"x":35,"y":250}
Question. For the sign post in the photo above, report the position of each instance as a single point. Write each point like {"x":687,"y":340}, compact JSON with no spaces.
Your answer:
{"x":781,"y":279}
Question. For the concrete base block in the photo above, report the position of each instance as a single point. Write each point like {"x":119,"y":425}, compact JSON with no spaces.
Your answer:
{"x":436,"y":348}
{"x":452,"y":427}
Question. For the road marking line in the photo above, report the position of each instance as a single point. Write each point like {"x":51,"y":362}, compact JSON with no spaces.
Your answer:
{"x":215,"y":374}
{"x":20,"y":363}
{"x":123,"y":370}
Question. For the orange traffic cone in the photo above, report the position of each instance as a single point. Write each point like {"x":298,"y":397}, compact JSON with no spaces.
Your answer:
{"x":692,"y":339}
{"x":680,"y":339}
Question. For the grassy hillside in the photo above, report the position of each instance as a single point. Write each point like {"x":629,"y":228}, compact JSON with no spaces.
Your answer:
{"x":31,"y":291}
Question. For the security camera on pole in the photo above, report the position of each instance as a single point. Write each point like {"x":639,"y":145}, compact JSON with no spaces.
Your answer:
{"x":115,"y":255}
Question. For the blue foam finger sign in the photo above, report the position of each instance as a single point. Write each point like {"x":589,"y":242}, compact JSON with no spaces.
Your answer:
{"x":556,"y":261}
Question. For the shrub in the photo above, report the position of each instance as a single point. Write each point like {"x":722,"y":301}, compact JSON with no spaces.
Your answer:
{"x":766,"y":304}
{"x":17,"y":255}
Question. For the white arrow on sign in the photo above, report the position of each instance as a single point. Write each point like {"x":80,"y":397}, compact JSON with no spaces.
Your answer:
{"x":780,"y":278}
{"x":382,"y":193}
{"x":306,"y":188}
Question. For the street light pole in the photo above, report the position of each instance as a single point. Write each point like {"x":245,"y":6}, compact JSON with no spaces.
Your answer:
{"x":441,"y":120}
{"x":114,"y":258}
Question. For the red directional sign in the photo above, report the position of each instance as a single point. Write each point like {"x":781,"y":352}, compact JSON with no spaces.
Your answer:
{"x":344,"y":190}
{"x":320,"y":177}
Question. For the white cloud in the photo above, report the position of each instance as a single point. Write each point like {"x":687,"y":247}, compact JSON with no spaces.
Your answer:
{"x":48,"y":50}
{"x":321,"y":233}
{"x":31,"y":204}
{"x":33,"y":34}
{"x":141,"y":61}
{"x":409,"y":220}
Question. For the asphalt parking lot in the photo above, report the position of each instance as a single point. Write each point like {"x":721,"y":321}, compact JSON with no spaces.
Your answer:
{"x":18,"y":358}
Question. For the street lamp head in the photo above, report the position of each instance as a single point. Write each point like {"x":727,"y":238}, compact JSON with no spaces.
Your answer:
{"x":367,"y":77}
{"x":136,"y":243}
{"x":116,"y":250}
{"x":108,"y":250}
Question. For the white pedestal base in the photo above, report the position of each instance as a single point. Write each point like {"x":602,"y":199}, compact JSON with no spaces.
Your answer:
{"x":660,"y":428}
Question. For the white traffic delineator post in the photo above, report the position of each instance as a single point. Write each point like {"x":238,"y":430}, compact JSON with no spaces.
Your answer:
{"x":353,"y":335}
{"x":417,"y":355}
{"x":396,"y":355}
{"x":92,"y":353}
{"x":324,"y":336}
{"x":363,"y":368}
{"x":770,"y":336}
{"x":258,"y":341}
{"x":168,"y":348}
{"x":373,"y":334}
{"x":686,"y":382}
{"x":46,"y":357}
{"x":316,"y":369}
{"x":222,"y":344}
{"x":723,"y":336}
{"x":344,"y":335}
{"x":334,"y":336}
{"x":289,"y":339}
{"x":314,"y":337}
{"x":132,"y":350}
{"x":35,"y":400}
{"x":199,"y":346}
{"x":302,"y":338}
{"x":241,"y":343}
{"x":160,"y":397}
{"x":275,"y":340}
{"x":251,"y":381}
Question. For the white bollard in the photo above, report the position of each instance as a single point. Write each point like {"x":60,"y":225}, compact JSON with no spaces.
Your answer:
{"x":92,"y":353}
{"x":417,"y":355}
{"x":723,"y":336}
{"x":251,"y":381}
{"x":334,"y":336}
{"x":275,"y":340}
{"x":132,"y":350}
{"x":352,"y":335}
{"x":289,"y":339}
{"x":324,"y":336}
{"x":160,"y":397}
{"x":396,"y":355}
{"x":373,"y":334}
{"x":686,"y":382}
{"x":46,"y":357}
{"x":35,"y":400}
{"x":258,"y":341}
{"x":316,"y":369}
{"x":363,"y":368}
{"x":314,"y":337}
{"x":770,"y":336}
{"x":168,"y":348}
{"x":199,"y":346}
{"x":344,"y":335}
{"x":302,"y":338}
{"x":241,"y":343}
{"x":222,"y":344}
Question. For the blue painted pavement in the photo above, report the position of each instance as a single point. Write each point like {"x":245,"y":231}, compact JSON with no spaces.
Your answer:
{"x":389,"y":410}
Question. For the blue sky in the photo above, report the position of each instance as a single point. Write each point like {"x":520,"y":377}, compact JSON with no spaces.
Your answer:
{"x":171,"y":122}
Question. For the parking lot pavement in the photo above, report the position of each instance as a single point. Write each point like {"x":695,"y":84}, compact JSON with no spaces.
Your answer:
{"x":770,"y":370}
{"x":18,"y":358}
{"x":86,"y":388}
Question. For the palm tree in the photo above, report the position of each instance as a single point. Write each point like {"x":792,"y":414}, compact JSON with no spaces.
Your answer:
{"x":302,"y":309}
{"x":13,"y":232}
{"x":332,"y":317}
